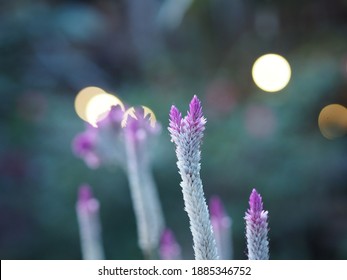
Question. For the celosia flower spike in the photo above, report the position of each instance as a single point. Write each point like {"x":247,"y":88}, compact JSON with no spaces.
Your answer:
{"x":257,"y":229}
{"x":187,"y":135}
{"x":175,"y":121}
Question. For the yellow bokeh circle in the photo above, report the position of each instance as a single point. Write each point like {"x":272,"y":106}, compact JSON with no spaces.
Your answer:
{"x":271,"y":72}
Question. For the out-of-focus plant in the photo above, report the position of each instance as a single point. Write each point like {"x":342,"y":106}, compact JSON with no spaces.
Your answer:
{"x":87,"y":208}
{"x":221,"y":224}
{"x":124,"y":138}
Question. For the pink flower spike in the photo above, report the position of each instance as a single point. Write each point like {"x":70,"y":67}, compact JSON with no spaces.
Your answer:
{"x":175,"y":119}
{"x":187,"y":135}
{"x":257,"y":228}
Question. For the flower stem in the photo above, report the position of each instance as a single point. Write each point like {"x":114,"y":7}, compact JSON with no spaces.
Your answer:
{"x":149,"y":219}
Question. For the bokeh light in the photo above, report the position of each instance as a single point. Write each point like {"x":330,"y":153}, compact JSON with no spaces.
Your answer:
{"x":271,"y":72}
{"x":131,"y":112}
{"x":260,"y":121}
{"x":99,"y":105}
{"x":151,"y":116}
{"x":82,"y":99}
{"x":332,"y":121}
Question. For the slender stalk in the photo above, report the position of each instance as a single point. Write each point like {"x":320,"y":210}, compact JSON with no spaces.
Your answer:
{"x":145,"y":199}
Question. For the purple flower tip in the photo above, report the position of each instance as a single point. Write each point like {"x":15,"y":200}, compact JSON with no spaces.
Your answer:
{"x":175,"y":118}
{"x":255,"y":202}
{"x":195,"y":109}
{"x":216,"y":207}
{"x":85,"y":193}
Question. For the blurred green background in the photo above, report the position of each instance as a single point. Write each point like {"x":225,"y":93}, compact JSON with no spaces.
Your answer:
{"x":151,"y":53}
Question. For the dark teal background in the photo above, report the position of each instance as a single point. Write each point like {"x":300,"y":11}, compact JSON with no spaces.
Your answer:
{"x":49,"y":50}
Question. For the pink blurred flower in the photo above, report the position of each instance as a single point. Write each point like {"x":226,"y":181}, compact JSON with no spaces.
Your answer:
{"x":169,"y":248}
{"x":87,"y":208}
{"x":221,"y":224}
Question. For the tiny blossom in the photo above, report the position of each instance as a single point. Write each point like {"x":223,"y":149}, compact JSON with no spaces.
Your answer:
{"x":257,"y":228}
{"x":169,"y":248}
{"x":187,"y":135}
{"x":84,"y":145}
{"x":86,"y":202}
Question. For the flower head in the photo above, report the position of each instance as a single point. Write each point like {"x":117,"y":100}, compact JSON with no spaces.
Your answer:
{"x":139,"y":123}
{"x":193,"y":123}
{"x":84,"y":146}
{"x":86,"y":201}
{"x":257,"y":228}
